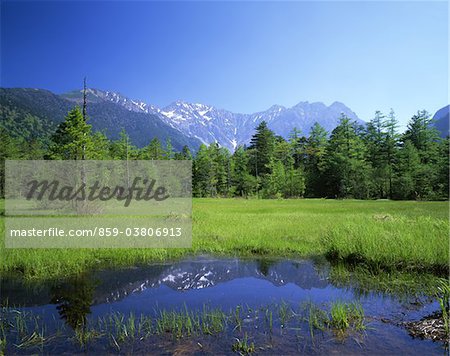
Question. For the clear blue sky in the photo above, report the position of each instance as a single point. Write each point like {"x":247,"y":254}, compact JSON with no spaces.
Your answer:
{"x":240,"y":56}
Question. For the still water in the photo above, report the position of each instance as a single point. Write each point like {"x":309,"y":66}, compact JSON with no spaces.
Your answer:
{"x":259,"y":289}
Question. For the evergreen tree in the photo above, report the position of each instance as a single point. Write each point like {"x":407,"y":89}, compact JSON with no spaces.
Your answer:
{"x":169,"y":149}
{"x":221,"y":170}
{"x":391,"y":147}
{"x":204,"y":183}
{"x":122,"y":149}
{"x":294,"y":186}
{"x":298,"y":147}
{"x":73,"y":138}
{"x":242,"y":181}
{"x":421,"y":133}
{"x":375,"y":138}
{"x":347,"y":172}
{"x":425,"y":138}
{"x":284,"y":152}
{"x":406,"y":172}
{"x":154,"y":150}
{"x":261,"y":149}
{"x":275,"y":181}
{"x":186,"y":153}
{"x":101,"y":146}
{"x":443,"y":168}
{"x":315,"y":150}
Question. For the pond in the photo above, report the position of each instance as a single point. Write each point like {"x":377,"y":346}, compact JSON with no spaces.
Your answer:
{"x":210,"y":305}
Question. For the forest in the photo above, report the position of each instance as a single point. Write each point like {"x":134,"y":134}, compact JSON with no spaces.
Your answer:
{"x":372,"y":161}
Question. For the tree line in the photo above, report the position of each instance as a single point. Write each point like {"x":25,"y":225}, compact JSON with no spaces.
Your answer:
{"x":353,"y":161}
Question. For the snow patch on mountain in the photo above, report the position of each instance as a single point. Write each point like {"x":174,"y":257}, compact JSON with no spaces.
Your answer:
{"x":210,"y":124}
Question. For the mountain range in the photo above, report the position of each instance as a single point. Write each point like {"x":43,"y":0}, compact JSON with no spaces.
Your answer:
{"x":210,"y":124}
{"x":198,"y":274}
{"x":38,"y":111}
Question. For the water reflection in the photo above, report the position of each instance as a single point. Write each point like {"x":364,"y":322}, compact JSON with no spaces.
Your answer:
{"x":227,"y":283}
{"x":223,"y":282}
{"x":112,"y":285}
{"x":74,"y":298}
{"x":264,"y":265}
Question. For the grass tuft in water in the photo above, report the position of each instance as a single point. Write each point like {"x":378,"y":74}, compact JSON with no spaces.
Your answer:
{"x":237,"y":318}
{"x":242,"y":346}
{"x":269,"y":318}
{"x":317,"y":318}
{"x":84,"y":336}
{"x":285,"y":313}
{"x":346,"y":315}
{"x":341,"y":318}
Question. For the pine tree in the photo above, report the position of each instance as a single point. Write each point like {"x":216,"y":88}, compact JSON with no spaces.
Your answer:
{"x":285,"y":152}
{"x":220,"y":167}
{"x":242,"y":181}
{"x":204,"y":183}
{"x":102,"y":147}
{"x":391,"y":147}
{"x":406,"y":173}
{"x":275,"y":181}
{"x":347,"y":172}
{"x":375,"y":137}
{"x":154,"y":150}
{"x":122,"y":149}
{"x":442,"y":169}
{"x":169,"y":149}
{"x":186,"y":153}
{"x":315,"y":150}
{"x":421,"y":133}
{"x":73,"y":138}
{"x":297,"y":144}
{"x":294,"y":186}
{"x":261,"y":149}
{"x":425,"y":138}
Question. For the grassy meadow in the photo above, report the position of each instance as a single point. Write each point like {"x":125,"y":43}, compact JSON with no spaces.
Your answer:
{"x":387,"y":235}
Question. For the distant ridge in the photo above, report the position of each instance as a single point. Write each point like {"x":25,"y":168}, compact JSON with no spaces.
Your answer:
{"x":48,"y":110}
{"x":210,"y":124}
{"x":441,"y":120}
{"x":182,"y":122}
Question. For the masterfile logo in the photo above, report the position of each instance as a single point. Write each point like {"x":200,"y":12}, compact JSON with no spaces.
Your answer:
{"x":108,"y":204}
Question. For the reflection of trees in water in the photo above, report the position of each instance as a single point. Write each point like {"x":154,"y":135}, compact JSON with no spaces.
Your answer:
{"x":74,"y":298}
{"x":264,"y":264}
{"x":364,"y":281}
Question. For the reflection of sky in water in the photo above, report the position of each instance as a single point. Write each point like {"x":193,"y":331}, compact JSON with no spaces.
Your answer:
{"x":223,"y":283}
{"x":246,"y":291}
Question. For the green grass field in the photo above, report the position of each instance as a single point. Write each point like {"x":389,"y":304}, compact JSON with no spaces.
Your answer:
{"x":400,"y":235}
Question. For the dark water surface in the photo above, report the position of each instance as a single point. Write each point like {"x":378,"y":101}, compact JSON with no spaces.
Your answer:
{"x":257,"y":286}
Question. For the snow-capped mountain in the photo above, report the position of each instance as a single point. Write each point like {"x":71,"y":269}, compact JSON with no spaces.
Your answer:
{"x":205,"y":122}
{"x":210,"y":124}
{"x":229,"y":129}
{"x":203,"y":272}
{"x":206,"y":273}
{"x":96,"y":95}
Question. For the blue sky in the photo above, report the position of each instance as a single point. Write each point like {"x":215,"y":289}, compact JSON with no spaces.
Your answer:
{"x":240,"y":56}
